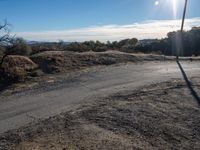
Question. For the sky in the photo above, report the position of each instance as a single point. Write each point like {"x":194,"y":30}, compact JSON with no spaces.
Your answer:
{"x":80,"y":20}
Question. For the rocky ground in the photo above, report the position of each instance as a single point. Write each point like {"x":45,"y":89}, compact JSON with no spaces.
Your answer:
{"x":160,"y":116}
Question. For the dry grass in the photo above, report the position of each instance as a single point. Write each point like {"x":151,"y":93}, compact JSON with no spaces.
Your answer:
{"x":60,"y":61}
{"x":16,"y":67}
{"x":22,"y":62}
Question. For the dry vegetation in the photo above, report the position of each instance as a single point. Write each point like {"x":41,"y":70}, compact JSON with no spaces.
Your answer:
{"x":35,"y":67}
{"x":16,"y":67}
{"x":61,"y":61}
{"x":51,"y":62}
{"x":161,"y":116}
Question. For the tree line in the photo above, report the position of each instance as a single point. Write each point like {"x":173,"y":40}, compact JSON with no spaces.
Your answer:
{"x":187,"y":42}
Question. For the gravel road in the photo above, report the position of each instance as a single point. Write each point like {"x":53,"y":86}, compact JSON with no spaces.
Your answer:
{"x":17,"y":111}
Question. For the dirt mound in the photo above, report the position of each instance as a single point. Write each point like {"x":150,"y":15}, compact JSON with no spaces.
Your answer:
{"x":15,"y":61}
{"x":60,"y":61}
{"x":15,"y":66}
{"x":64,"y":61}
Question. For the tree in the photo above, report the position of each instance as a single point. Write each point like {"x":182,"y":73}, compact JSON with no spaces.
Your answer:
{"x":195,"y":40}
{"x":18,"y":46}
{"x":12,"y":46}
{"x":4,"y":38}
{"x":61,"y":45}
{"x":4,"y":33}
{"x":133,"y":41}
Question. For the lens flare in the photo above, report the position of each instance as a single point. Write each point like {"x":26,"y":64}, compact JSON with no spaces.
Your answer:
{"x":174,"y":3}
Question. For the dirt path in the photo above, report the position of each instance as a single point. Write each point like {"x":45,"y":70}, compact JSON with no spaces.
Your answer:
{"x":159,"y":116}
{"x":17,"y":111}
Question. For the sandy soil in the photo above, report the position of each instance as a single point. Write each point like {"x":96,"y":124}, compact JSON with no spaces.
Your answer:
{"x":161,"y":116}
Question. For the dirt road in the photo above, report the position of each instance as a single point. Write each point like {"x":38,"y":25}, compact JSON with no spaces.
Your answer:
{"x":16,"y":111}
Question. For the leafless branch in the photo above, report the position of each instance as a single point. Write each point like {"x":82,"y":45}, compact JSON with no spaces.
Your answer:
{"x":4,"y":33}
{"x":5,"y":38}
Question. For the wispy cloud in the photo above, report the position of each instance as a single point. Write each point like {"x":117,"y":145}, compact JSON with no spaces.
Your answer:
{"x":143,"y":30}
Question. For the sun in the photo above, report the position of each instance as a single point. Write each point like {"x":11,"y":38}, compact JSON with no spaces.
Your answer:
{"x":157,"y":3}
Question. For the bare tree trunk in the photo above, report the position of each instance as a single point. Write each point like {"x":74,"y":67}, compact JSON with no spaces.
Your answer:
{"x":2,"y":60}
{"x":4,"y":38}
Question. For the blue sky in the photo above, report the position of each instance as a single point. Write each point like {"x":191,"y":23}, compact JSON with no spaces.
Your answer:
{"x":33,"y":18}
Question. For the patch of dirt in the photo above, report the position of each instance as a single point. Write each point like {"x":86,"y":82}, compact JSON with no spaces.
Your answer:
{"x":160,"y":116}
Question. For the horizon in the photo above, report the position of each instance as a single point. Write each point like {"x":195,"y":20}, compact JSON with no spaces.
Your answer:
{"x":112,"y":20}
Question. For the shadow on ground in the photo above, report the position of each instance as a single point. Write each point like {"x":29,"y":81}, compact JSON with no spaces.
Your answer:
{"x":189,"y":83}
{"x":4,"y":85}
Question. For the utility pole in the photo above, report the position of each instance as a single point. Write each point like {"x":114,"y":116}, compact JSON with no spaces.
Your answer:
{"x":182,"y":27}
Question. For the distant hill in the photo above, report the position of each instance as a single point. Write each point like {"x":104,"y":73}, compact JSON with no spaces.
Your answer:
{"x":147,"y":41}
{"x":46,"y":43}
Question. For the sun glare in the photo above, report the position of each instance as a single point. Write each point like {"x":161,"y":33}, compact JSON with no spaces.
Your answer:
{"x":171,"y":3}
{"x":156,"y":3}
{"x":174,"y":4}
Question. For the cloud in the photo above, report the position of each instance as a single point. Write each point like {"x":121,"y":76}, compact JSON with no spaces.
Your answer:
{"x":143,"y":30}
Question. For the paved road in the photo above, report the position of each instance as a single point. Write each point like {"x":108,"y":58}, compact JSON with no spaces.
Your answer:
{"x":16,"y":111}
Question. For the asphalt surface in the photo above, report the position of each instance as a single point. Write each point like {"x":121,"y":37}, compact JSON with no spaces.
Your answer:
{"x":17,"y":111}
